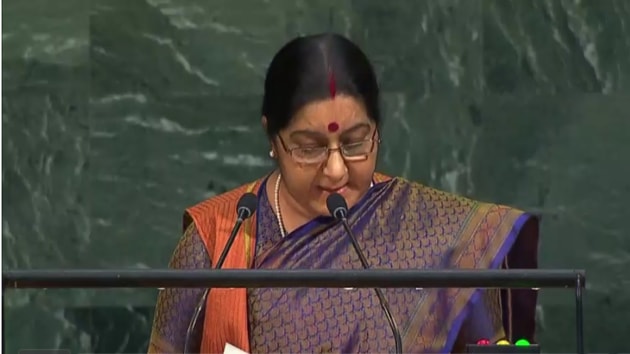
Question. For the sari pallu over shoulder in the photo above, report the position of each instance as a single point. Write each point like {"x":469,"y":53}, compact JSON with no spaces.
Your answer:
{"x":486,"y":236}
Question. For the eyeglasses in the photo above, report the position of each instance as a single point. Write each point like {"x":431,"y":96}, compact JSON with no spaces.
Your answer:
{"x":357,"y":151}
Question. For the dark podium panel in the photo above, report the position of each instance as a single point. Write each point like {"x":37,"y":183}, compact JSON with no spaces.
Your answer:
{"x":502,"y":349}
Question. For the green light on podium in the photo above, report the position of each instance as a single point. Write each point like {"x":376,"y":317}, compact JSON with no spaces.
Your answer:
{"x":522,"y":343}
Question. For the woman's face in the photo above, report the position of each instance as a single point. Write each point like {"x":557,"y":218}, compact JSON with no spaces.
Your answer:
{"x":312,"y":173}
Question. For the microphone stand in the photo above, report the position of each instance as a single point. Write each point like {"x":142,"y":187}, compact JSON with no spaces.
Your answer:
{"x":379,"y":293}
{"x":243,"y":213}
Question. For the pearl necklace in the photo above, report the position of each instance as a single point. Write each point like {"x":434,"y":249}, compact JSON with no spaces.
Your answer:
{"x":277,"y":204}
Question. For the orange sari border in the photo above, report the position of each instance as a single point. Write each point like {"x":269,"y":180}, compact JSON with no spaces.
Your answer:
{"x":226,"y":309}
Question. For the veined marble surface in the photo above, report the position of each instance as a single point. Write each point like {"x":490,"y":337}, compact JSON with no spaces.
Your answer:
{"x":117,"y":114}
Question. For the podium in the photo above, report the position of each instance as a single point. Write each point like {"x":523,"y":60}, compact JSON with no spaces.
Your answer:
{"x":373,"y":278}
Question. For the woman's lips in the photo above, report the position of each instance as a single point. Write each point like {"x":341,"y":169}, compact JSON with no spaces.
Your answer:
{"x":339,"y":190}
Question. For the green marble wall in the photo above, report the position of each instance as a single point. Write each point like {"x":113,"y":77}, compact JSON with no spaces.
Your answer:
{"x":119,"y":113}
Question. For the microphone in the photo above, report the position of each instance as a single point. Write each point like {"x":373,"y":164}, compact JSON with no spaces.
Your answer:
{"x":339,"y":210}
{"x":245,"y":208}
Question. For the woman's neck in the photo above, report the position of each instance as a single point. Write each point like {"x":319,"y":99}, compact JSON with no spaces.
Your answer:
{"x":293,"y":213}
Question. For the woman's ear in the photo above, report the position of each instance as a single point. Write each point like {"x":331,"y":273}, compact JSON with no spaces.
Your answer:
{"x":272,"y":153}
{"x":264,"y":123}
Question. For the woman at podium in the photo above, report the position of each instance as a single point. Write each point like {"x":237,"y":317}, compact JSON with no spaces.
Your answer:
{"x":321,"y":115}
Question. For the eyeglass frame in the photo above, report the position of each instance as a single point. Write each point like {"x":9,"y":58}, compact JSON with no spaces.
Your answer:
{"x":328,"y":150}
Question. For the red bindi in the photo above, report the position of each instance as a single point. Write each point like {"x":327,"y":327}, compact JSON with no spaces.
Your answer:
{"x":333,"y":127}
{"x":332,"y":84}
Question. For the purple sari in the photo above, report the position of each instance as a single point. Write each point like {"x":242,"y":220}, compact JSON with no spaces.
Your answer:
{"x":399,"y":225}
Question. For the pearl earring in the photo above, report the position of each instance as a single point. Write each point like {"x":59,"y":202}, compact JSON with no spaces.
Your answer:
{"x":271,"y":154}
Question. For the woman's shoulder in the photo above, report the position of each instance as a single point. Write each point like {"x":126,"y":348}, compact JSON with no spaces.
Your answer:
{"x":477,"y":218}
{"x":439,"y":197}
{"x":219,"y":206}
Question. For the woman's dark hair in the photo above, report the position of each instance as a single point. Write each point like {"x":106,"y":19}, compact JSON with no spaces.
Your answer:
{"x":300,"y":74}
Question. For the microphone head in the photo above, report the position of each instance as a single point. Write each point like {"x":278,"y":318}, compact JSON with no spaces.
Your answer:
{"x":246,"y":205}
{"x":337,"y":206}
